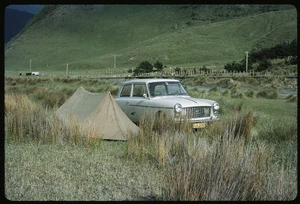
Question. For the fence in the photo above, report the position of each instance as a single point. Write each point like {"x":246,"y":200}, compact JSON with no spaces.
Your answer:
{"x":122,"y":73}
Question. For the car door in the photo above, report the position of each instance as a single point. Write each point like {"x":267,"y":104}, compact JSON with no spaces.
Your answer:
{"x":138,"y":102}
{"x":124,"y":97}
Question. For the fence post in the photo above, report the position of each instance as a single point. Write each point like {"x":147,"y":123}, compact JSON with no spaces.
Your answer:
{"x":67,"y":70}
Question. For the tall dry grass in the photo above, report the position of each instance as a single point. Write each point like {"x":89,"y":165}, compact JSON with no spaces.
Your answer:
{"x":26,"y":121}
{"x":158,"y":138}
{"x":224,"y":169}
{"x":220,"y":162}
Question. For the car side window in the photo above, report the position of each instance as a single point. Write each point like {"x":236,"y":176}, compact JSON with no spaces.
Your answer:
{"x":126,"y":91}
{"x":139,"y":90}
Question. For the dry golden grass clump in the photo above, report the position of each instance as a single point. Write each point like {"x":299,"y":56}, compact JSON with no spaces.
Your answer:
{"x":220,"y":162}
{"x":27,"y":121}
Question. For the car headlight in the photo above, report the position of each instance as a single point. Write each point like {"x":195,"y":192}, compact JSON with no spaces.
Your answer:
{"x":216,"y":106}
{"x":177,"y":108}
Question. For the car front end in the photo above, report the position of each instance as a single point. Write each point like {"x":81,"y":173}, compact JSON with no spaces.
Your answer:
{"x":199,"y":113}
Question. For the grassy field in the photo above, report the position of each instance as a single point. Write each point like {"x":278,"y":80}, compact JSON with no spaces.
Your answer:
{"x":88,"y":37}
{"x":61,"y":172}
{"x":251,"y":154}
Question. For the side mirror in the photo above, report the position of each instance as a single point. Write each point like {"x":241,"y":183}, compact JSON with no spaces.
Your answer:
{"x":145,"y":96}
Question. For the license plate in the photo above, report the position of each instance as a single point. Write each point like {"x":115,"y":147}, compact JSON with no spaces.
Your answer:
{"x":198,"y":125}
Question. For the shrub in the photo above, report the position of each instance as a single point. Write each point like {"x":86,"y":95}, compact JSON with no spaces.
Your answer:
{"x":158,"y":65}
{"x":234,"y":67}
{"x":203,"y":69}
{"x":177,"y":69}
{"x":143,"y":67}
{"x":263,"y":65}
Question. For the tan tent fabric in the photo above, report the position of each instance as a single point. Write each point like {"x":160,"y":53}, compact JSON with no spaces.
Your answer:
{"x":111,"y":120}
{"x":81,"y":104}
{"x":101,"y":111}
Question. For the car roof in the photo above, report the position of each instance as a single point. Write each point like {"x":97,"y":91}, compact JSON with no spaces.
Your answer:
{"x":149,"y":80}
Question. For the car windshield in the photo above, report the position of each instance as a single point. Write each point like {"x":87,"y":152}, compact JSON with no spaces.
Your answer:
{"x":166,"y":89}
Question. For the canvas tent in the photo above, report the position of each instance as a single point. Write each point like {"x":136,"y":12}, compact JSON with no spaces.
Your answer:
{"x":101,"y":111}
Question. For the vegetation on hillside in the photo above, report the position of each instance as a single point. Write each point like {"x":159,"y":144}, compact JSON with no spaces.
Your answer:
{"x":147,"y":67}
{"x":279,"y":51}
{"x":87,"y":37}
{"x":262,"y":58}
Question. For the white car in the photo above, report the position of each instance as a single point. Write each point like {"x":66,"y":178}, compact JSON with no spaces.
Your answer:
{"x":155,"y":96}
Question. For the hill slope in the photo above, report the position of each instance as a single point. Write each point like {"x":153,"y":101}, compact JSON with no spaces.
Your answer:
{"x":14,"y":22}
{"x":88,"y":36}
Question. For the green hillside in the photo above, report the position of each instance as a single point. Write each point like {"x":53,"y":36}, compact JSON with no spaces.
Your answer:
{"x":88,"y":36}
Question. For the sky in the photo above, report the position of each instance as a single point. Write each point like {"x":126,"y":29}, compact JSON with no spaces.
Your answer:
{"x":30,"y":8}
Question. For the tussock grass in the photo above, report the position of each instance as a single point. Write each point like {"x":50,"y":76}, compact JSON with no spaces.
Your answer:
{"x":250,"y":154}
{"x":51,"y":99}
{"x":250,"y":94}
{"x":154,"y":143}
{"x":224,"y":170}
{"x":268,"y":93}
{"x":291,"y":98}
{"x":221,"y":162}
{"x":26,"y":121}
{"x":236,"y":125}
{"x":53,"y":92}
{"x":226,"y":83}
{"x":277,"y":130}
{"x":196,"y":81}
{"x":226,"y":93}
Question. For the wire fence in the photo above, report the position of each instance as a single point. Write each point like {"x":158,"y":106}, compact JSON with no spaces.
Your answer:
{"x":169,"y":73}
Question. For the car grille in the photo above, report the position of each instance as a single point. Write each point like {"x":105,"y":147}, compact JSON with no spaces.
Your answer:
{"x":198,"y":112}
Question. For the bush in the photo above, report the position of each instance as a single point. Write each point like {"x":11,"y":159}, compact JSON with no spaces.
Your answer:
{"x":143,"y":67}
{"x":281,"y":50}
{"x":204,"y":69}
{"x":234,"y":67}
{"x":158,"y":65}
{"x":263,"y":65}
{"x":177,"y":69}
{"x":147,"y":67}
